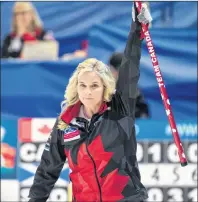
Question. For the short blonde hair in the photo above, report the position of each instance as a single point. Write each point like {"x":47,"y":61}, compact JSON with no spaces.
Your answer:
{"x":26,"y":6}
{"x":91,"y":64}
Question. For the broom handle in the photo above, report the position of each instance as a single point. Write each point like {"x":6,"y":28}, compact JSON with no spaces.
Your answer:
{"x":162,"y":88}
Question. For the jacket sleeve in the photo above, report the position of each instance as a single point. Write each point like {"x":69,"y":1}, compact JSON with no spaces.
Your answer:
{"x":129,"y":70}
{"x":52,"y":161}
{"x":4,"y":48}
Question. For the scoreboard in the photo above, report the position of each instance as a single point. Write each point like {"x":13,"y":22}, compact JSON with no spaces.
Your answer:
{"x":159,"y":165}
{"x":162,"y":173}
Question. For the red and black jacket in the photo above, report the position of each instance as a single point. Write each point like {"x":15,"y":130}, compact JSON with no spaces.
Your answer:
{"x":101,"y":154}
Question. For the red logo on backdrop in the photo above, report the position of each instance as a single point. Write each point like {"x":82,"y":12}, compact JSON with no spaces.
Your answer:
{"x":8,"y":154}
{"x":45,"y":130}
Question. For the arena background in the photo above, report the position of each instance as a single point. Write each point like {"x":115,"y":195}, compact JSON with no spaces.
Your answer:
{"x":31,"y":93}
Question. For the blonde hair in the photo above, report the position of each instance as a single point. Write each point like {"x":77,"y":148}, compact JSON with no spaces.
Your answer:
{"x":71,"y":94}
{"x":26,"y":6}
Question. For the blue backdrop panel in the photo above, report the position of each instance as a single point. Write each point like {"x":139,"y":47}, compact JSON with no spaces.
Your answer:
{"x":35,"y":88}
{"x":176,"y":50}
{"x":71,"y":21}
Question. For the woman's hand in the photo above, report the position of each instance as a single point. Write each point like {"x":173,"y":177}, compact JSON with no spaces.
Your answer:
{"x":144,"y":16}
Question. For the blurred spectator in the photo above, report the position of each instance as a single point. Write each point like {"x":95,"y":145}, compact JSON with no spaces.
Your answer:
{"x":142,"y":109}
{"x":26,"y":26}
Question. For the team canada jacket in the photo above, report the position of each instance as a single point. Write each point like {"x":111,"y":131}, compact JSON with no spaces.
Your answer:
{"x":102,"y":153}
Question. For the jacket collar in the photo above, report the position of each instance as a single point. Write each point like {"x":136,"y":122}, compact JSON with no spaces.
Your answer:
{"x":73,"y":111}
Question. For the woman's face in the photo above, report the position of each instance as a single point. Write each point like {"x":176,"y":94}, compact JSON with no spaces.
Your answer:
{"x":90,"y":89}
{"x":23,"y":17}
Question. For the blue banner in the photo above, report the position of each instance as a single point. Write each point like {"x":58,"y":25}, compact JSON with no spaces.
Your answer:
{"x":160,"y":130}
{"x":9,"y":147}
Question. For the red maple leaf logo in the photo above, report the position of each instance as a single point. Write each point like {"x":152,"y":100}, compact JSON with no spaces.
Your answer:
{"x":44,"y":129}
{"x":85,"y":187}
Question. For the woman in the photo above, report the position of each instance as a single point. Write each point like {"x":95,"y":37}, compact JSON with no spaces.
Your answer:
{"x":96,"y":133}
{"x":26,"y":26}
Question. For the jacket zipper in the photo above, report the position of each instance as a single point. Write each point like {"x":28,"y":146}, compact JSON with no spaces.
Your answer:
{"x":87,"y":129}
{"x":97,"y":180}
{"x":94,"y":164}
